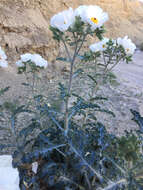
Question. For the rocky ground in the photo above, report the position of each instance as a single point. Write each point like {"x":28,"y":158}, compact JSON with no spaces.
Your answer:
{"x":132,"y":74}
{"x":24,"y":24}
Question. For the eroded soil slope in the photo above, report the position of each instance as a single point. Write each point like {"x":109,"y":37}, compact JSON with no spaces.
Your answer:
{"x":24,"y":24}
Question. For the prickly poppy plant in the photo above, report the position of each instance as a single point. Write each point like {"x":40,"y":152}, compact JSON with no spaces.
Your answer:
{"x":71,"y":149}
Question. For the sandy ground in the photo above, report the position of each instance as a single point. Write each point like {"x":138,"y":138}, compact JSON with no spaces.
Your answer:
{"x":132,"y":74}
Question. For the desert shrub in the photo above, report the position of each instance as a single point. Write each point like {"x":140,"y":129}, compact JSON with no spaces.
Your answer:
{"x":71,"y":149}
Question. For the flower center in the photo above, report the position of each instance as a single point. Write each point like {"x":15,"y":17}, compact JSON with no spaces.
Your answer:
{"x":103,"y":45}
{"x":64,"y":22}
{"x":127,"y":49}
{"x":95,"y":20}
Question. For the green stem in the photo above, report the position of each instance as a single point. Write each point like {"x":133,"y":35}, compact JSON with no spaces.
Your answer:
{"x":33,"y":84}
{"x":72,"y":61}
{"x":115,"y":184}
{"x":114,"y":64}
{"x":105,"y":73}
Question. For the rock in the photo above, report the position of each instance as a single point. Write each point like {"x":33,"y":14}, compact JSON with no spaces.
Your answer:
{"x":9,"y":176}
{"x":35,"y":167}
{"x":24,"y":30}
{"x":24,"y":24}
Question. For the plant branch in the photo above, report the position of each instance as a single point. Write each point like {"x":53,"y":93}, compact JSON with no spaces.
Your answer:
{"x":86,"y":163}
{"x":109,"y":187}
{"x":77,"y":49}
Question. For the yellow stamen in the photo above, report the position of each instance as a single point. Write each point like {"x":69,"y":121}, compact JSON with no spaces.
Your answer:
{"x":95,"y":20}
{"x":103,"y":46}
{"x":127,"y":49}
{"x":64,"y":22}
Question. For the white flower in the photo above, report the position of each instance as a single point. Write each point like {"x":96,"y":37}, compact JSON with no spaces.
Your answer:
{"x":95,"y":47}
{"x":92,"y":15}
{"x":34,"y":58}
{"x":39,"y":61}
{"x":3,"y":63}
{"x":3,"y":57}
{"x":100,"y":46}
{"x":63,"y":20}
{"x":19,"y":63}
{"x":80,"y":11}
{"x":26,"y":57}
{"x":127,"y":44}
{"x":2,"y":54}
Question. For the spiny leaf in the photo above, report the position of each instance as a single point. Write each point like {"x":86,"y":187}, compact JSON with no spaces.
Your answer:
{"x":63,"y":91}
{"x":62,"y":59}
{"x":77,"y":73}
{"x":25,"y":84}
{"x":43,"y":151}
{"x":27,"y":130}
{"x":98,"y":98}
{"x":138,"y":119}
{"x":106,"y":111}
{"x":3,"y":90}
{"x":92,"y":78}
